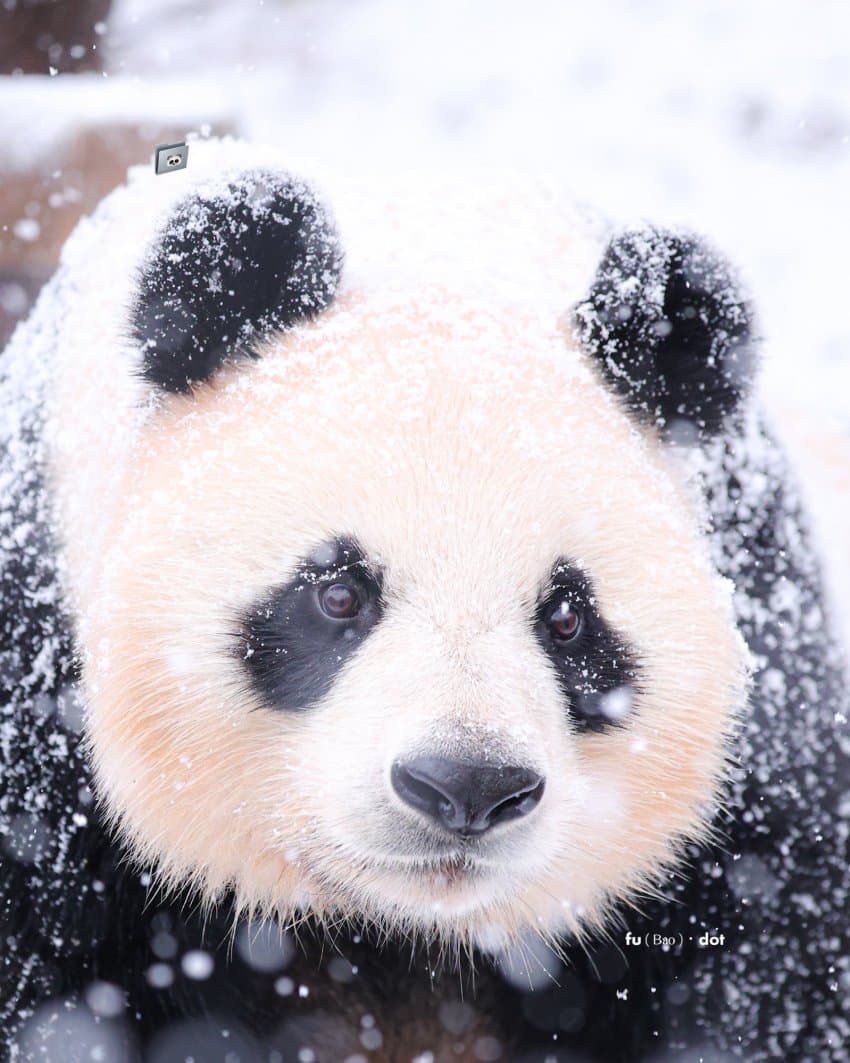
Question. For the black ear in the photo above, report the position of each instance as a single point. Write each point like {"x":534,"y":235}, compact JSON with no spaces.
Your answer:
{"x":229,"y":269}
{"x":671,"y":331}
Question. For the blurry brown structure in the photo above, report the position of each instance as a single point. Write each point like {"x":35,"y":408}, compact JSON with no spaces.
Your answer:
{"x":40,"y":206}
{"x":39,"y":34}
{"x":35,"y":36}
{"x":42,"y":198}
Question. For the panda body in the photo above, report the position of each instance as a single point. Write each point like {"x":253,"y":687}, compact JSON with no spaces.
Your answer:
{"x":227,"y":426}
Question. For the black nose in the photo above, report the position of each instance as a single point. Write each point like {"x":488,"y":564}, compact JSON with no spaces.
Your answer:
{"x":466,"y":798}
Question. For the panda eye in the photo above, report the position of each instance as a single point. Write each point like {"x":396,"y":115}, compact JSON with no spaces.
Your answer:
{"x":565,"y":622}
{"x":339,"y":601}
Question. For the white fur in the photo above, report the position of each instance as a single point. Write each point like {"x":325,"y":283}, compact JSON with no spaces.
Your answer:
{"x":459,"y":435}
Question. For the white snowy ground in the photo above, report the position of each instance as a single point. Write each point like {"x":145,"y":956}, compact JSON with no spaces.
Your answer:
{"x":730,"y":116}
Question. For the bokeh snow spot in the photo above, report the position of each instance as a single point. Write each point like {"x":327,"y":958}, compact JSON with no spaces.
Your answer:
{"x":197,"y":964}
{"x":265,"y":946}
{"x":529,"y":964}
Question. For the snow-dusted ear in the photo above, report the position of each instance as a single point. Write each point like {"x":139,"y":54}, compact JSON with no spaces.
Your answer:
{"x":671,"y":330}
{"x":229,"y":268}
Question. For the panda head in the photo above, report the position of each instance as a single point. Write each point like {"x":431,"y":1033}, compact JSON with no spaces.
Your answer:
{"x":403,"y":615}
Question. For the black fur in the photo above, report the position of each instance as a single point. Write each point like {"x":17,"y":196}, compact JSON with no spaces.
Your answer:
{"x":671,"y":331}
{"x":597,"y":663}
{"x":228,"y":270}
{"x":293,"y":652}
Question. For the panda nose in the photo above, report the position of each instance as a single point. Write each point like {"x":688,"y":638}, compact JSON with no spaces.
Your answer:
{"x":467,"y":799}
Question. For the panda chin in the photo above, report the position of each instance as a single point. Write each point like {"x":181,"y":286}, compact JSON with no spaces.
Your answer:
{"x":435,"y":899}
{"x":446,"y":873}
{"x":446,"y":897}
{"x":457,"y":880}
{"x":461,"y":886}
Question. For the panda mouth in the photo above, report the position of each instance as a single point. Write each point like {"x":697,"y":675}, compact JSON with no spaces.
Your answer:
{"x":442,"y":865}
{"x":451,"y":871}
{"x":454,"y":881}
{"x":453,"y":866}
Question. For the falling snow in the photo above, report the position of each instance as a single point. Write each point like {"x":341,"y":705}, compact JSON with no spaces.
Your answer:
{"x":782,"y":986}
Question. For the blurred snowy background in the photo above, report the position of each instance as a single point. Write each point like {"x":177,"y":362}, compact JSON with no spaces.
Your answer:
{"x":730,"y":116}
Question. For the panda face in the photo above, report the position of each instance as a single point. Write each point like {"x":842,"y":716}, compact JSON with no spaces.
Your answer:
{"x":407,"y":620}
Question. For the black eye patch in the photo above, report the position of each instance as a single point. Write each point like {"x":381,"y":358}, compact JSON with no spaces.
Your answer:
{"x":596,"y":668}
{"x":296,"y":639}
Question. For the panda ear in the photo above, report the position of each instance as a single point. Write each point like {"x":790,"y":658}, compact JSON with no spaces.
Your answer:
{"x":228,"y":269}
{"x":671,"y":331}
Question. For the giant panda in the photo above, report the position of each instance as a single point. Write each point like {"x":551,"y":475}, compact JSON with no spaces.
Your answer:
{"x":413,"y":647}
